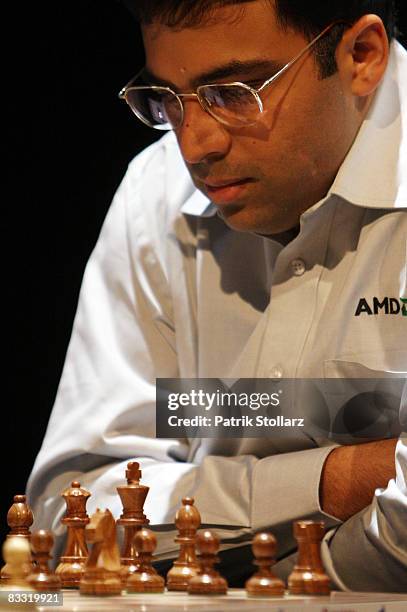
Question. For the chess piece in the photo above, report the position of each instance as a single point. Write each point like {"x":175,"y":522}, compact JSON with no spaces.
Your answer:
{"x":187,"y":521}
{"x":19,"y":519}
{"x":102,"y":570}
{"x":264,"y":582}
{"x":42,"y":578}
{"x":72,"y":563}
{"x":16,"y":553}
{"x":308,"y":576}
{"x":208,"y":581}
{"x":133,"y":496}
{"x":146,"y":578}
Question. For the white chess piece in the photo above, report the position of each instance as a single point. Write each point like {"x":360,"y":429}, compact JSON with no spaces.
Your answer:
{"x":17,"y":554}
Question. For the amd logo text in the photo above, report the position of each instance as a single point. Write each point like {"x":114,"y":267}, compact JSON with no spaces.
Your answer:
{"x":388,"y":306}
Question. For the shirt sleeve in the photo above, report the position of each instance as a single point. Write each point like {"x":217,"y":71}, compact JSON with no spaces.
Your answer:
{"x":104,"y":414}
{"x":368,"y":552}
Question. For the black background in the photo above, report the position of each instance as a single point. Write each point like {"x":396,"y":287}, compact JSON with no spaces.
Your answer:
{"x":68,"y":141}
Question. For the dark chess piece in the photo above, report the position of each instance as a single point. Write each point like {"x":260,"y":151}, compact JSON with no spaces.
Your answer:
{"x":308,"y":576}
{"x":208,"y":581}
{"x":145,"y":579}
{"x":187,"y":521}
{"x":19,"y":519}
{"x":42,"y":578}
{"x":72,"y":563}
{"x":264,"y":582}
{"x":133,"y":496}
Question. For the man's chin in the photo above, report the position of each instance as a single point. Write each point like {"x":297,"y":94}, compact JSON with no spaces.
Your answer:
{"x":237,"y":218}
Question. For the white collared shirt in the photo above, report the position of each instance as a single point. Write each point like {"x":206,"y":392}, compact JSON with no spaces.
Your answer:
{"x":170,"y":291}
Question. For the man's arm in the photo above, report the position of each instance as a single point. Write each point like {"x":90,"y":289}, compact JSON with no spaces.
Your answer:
{"x":351,"y":474}
{"x":368,"y":551}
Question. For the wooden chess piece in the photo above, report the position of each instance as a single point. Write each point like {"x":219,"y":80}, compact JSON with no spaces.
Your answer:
{"x":187,"y":521}
{"x":16,"y":553}
{"x":264,"y":582}
{"x":42,"y":578}
{"x":72,"y":563}
{"x":19,"y":519}
{"x":133,"y":496}
{"x":102,"y":570}
{"x":208,"y":581}
{"x":308,"y":576}
{"x":145,"y":579}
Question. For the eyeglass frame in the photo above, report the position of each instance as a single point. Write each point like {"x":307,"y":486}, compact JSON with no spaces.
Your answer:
{"x":254,"y":91}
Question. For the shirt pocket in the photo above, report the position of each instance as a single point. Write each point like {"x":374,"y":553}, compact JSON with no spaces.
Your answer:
{"x":365,"y":395}
{"x":388,"y":364}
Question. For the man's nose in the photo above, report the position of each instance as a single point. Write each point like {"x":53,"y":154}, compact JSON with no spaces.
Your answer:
{"x":201,"y":137}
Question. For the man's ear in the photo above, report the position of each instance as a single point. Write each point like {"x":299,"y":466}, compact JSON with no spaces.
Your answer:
{"x":362,"y":55}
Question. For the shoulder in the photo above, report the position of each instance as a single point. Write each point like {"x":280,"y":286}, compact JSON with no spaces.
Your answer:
{"x":158,"y":176}
{"x":153,"y":192}
{"x":145,"y":221}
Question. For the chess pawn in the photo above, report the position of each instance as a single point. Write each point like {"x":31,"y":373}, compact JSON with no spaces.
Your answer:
{"x":264,"y":582}
{"x":208,"y":581}
{"x":42,"y":578}
{"x":133,"y":496}
{"x":19,"y":519}
{"x":145,"y":579}
{"x":308,"y":576}
{"x":16,"y":553}
{"x":72,"y":563}
{"x":187,"y":521}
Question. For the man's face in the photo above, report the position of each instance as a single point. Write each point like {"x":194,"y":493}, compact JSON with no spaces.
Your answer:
{"x":285,"y":163}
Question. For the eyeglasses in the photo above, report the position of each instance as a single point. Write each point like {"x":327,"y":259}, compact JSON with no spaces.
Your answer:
{"x":233,"y":104}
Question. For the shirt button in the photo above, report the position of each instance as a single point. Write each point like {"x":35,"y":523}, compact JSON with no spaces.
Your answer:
{"x":298,"y":267}
{"x":276,"y":372}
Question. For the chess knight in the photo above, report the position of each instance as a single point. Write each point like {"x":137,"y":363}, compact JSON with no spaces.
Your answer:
{"x":102,"y":571}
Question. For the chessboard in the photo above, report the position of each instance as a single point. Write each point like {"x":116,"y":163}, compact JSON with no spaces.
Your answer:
{"x":93,"y":574}
{"x":235,"y":599}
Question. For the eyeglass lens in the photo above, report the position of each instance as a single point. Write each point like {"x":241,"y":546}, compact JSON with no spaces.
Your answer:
{"x":234,"y":105}
{"x":157,"y":107}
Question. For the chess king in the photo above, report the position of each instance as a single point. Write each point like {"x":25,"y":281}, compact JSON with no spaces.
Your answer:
{"x":239,"y":246}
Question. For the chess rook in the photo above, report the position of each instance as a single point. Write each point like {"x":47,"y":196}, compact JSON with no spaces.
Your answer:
{"x":264,"y":582}
{"x":187,"y":521}
{"x":208,"y":581}
{"x":145,"y":579}
{"x":72,"y":562}
{"x":19,"y":519}
{"x":42,"y":578}
{"x":133,"y":496}
{"x":308,"y":576}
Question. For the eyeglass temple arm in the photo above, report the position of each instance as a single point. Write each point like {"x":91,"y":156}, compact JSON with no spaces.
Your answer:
{"x":300,"y":54}
{"x":122,"y":92}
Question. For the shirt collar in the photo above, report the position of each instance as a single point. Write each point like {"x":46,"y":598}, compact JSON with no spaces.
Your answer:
{"x":198,"y":205}
{"x":373,"y":173}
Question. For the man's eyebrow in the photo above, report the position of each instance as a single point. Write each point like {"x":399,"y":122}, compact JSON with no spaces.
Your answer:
{"x":232,"y":69}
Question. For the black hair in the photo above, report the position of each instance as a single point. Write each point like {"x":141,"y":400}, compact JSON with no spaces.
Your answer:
{"x":306,"y":16}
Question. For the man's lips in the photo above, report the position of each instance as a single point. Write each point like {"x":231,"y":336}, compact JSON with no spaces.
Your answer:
{"x":225,"y":183}
{"x":222,"y":192}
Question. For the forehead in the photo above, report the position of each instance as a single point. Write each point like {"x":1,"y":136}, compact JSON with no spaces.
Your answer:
{"x":244,"y":31}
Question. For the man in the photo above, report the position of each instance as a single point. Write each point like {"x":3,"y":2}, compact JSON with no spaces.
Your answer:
{"x":264,"y":237}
